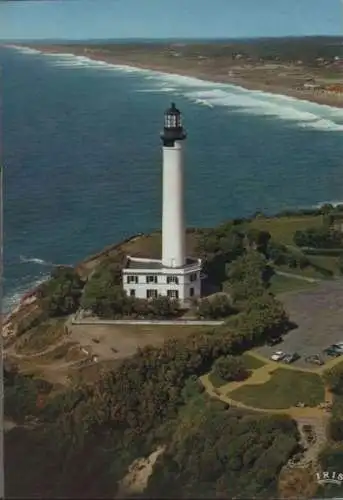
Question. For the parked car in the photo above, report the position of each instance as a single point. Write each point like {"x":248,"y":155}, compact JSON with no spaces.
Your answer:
{"x":273,"y":341}
{"x":291,"y":358}
{"x":315,"y":359}
{"x":277,"y":356}
{"x":330,"y":351}
{"x":337,"y":347}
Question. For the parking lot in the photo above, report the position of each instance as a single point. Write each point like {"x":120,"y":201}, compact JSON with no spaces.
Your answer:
{"x":318,"y":312}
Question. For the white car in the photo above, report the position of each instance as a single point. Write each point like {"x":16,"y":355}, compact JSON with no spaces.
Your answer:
{"x":277,"y":356}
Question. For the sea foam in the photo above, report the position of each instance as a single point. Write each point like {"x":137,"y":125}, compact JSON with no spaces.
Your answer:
{"x":34,"y":260}
{"x":10,"y":301}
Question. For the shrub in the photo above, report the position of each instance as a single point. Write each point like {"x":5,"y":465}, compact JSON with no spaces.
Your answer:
{"x":336,"y":429}
{"x":318,"y":237}
{"x":230,"y":368}
{"x":334,"y":379}
{"x":218,"y":306}
{"x":61,"y":294}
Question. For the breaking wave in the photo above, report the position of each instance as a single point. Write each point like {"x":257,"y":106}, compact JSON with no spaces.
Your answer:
{"x":11,"y":300}
{"x":33,"y":260}
{"x":296,"y":112}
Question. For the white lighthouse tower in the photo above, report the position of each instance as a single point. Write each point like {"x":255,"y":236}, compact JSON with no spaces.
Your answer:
{"x":173,"y":225}
{"x":175,"y":275}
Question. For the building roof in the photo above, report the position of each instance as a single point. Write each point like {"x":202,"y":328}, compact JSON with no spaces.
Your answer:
{"x":154,"y":264}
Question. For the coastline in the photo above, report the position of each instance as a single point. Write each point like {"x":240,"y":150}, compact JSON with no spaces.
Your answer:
{"x":332,"y":100}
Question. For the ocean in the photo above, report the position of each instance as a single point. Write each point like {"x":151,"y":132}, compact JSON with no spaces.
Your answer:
{"x":82,"y":156}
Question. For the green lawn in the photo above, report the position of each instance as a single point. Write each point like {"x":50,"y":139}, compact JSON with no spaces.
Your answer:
{"x":327,"y":261}
{"x":251,"y":362}
{"x":215,"y":380}
{"x":282,"y":229}
{"x":286,"y":388}
{"x":281,"y":284}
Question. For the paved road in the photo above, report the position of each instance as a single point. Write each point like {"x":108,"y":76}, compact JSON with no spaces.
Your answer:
{"x":318,"y":312}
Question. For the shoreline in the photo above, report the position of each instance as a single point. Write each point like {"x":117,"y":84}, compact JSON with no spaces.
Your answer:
{"x":332,"y":100}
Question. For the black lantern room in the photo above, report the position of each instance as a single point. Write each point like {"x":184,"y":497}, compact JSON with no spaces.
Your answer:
{"x":173,"y":129}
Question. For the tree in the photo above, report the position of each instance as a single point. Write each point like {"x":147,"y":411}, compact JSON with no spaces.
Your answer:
{"x":104,"y":298}
{"x":277,"y":252}
{"x":163,"y":307}
{"x":230,"y":368}
{"x":258,"y":239}
{"x":336,"y":429}
{"x":249,"y":275}
{"x":318,"y":237}
{"x":217,"y":306}
{"x":340,"y":263}
{"x":334,"y":379}
{"x":61,"y":294}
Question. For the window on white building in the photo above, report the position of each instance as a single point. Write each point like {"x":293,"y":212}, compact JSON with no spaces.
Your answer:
{"x":193,"y":277}
{"x":132,"y":279}
{"x":172,"y":279}
{"x":151,"y":294}
{"x":132,"y":292}
{"x":173,"y":294}
{"x":151,"y":279}
{"x":191,"y":292}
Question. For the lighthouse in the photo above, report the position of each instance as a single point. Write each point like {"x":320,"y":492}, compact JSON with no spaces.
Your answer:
{"x":176,"y":274}
{"x":173,"y":224}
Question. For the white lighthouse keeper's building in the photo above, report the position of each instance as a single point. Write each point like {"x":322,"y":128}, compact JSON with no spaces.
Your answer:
{"x":175,"y":275}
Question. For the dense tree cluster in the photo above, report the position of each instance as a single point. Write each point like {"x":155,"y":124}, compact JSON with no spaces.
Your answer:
{"x":230,"y":368}
{"x":215,"y":307}
{"x":104,"y":296}
{"x":281,"y":255}
{"x":61,"y":294}
{"x":222,"y":455}
{"x":318,"y":237}
{"x":107,"y":300}
{"x":334,"y":381}
{"x":218,"y":246}
{"x":257,"y":239}
{"x":22,"y":393}
{"x":209,"y":450}
{"x":249,"y":276}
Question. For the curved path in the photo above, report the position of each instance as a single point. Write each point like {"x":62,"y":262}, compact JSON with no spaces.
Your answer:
{"x":49,"y":349}
{"x":293,"y":411}
{"x":316,"y":417}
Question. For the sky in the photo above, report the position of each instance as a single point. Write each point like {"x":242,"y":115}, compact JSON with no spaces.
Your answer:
{"x":97,"y":19}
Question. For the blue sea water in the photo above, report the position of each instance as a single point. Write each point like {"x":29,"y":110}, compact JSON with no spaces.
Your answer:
{"x":82,"y":156}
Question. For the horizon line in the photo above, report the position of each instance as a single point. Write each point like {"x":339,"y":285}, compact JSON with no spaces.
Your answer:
{"x":166,"y":39}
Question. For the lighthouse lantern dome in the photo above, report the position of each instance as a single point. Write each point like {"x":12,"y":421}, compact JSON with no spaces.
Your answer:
{"x":173,"y":128}
{"x":172,"y":117}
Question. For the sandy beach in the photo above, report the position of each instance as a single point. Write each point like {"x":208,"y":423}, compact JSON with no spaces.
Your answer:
{"x":285,"y":81}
